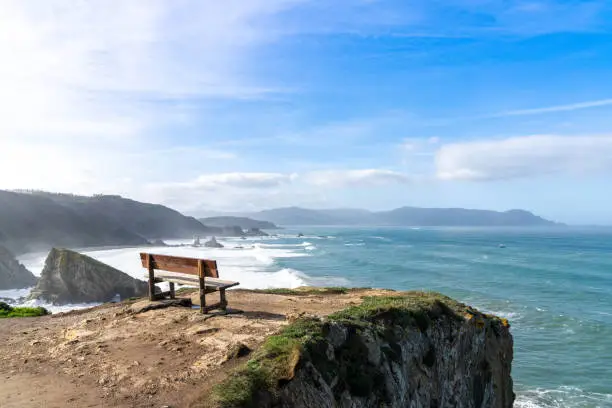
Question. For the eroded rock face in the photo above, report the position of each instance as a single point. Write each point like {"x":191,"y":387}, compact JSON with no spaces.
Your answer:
{"x":452,"y":360}
{"x":14,"y":275}
{"x":70,"y":277}
{"x":213,"y":243}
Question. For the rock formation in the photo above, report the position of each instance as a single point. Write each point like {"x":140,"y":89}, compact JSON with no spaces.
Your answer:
{"x":418,"y":350}
{"x":256,"y":232}
{"x":213,"y":243}
{"x":70,"y":277}
{"x":13,"y":275}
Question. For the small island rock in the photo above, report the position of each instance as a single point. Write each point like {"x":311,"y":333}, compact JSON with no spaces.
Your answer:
{"x":213,"y":243}
{"x":70,"y":277}
{"x":256,"y":232}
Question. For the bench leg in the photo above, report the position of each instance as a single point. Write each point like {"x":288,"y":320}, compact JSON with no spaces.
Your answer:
{"x":151,"y":284}
{"x":202,"y":301}
{"x":172,"y":293}
{"x":223,"y":299}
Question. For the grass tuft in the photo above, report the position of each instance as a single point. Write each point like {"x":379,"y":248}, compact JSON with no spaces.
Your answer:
{"x":409,"y":309}
{"x":270,"y":366}
{"x":7,"y":311}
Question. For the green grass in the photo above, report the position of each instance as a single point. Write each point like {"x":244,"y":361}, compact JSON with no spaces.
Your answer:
{"x":8,"y":311}
{"x":273,"y":364}
{"x":305,"y":291}
{"x":408,"y":309}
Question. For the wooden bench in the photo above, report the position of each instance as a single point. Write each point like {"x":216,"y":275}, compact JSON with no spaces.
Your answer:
{"x":186,"y":271}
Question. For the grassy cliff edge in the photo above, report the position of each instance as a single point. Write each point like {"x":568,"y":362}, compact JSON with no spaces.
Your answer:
{"x":275,"y":362}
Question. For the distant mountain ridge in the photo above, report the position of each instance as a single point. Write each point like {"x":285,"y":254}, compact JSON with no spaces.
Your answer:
{"x":30,"y":221}
{"x":404,"y":216}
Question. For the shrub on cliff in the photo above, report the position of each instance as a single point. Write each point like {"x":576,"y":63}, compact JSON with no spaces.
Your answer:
{"x":9,"y":311}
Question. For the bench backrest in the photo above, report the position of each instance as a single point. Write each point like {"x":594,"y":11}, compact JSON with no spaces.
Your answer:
{"x":191,"y":266}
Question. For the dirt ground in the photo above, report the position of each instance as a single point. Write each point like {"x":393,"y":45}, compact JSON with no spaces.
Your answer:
{"x":116,"y":355}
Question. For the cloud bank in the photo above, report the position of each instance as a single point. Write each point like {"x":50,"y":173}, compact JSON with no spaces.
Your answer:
{"x":524,"y":156}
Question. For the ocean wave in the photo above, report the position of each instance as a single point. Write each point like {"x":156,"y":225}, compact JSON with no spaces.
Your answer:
{"x":57,"y":308}
{"x":562,"y":397}
{"x":14,"y":293}
{"x":381,"y":238}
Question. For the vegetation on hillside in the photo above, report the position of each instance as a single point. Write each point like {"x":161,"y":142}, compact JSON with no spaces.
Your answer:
{"x":9,"y":311}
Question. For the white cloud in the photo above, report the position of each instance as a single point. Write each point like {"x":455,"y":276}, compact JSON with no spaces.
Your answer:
{"x":556,"y":108}
{"x":525,"y":156}
{"x":242,"y":180}
{"x":85,"y":68}
{"x":356,"y":178}
{"x":91,"y":90}
{"x":420,"y":146}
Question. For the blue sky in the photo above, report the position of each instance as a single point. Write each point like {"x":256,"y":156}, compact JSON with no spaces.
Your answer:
{"x":250,"y":104}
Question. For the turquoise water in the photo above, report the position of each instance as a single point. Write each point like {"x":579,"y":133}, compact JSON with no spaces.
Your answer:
{"x":555,"y":287}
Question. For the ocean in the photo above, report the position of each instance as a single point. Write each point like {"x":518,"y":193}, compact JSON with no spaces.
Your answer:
{"x":554,"y":285}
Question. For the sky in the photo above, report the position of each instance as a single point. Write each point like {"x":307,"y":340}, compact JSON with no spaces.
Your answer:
{"x":243,"y":105}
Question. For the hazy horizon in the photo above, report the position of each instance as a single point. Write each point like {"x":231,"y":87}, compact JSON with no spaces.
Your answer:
{"x":204,"y":213}
{"x":245,"y":105}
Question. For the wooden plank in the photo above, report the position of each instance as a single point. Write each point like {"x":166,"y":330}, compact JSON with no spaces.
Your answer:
{"x":149,"y":266}
{"x":194,"y":280}
{"x":209,"y":286}
{"x":223,"y":299}
{"x":180,"y":264}
{"x":172,"y":292}
{"x":202,"y":279}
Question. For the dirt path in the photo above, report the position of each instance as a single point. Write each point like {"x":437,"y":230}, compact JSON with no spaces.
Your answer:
{"x":116,"y":356}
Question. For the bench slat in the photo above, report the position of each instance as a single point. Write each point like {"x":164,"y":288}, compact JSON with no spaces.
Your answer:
{"x":194,"y":281}
{"x":180,"y":264}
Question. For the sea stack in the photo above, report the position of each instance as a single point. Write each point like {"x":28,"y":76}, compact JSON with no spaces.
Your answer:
{"x":13,"y":275}
{"x":70,"y":277}
{"x":213,"y":243}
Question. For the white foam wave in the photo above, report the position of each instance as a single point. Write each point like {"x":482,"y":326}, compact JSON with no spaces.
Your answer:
{"x":14,"y":293}
{"x":562,"y":397}
{"x":382,"y":238}
{"x":55,"y":308}
{"x":506,"y":315}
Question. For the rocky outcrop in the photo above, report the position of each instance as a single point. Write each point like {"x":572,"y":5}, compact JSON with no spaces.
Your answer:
{"x":256,"y":232}
{"x":13,"y":275}
{"x":418,"y":350}
{"x":70,"y":277}
{"x":213,"y":243}
{"x":242,"y":222}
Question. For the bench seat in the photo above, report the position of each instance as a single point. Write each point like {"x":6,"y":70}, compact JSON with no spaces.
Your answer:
{"x":201,"y":273}
{"x":191,"y":280}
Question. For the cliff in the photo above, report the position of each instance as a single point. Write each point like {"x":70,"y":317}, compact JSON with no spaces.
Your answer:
{"x":13,"y":275}
{"x":417,"y":350}
{"x":305,"y":347}
{"x":31,"y":222}
{"x":70,"y":277}
{"x":37,"y":221}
